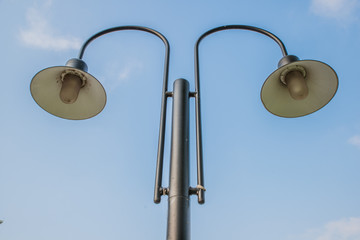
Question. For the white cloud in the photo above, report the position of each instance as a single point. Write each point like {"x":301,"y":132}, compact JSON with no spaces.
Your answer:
{"x":124,"y":74}
{"x":355,"y":140}
{"x":130,"y":68}
{"x":115,"y":76}
{"x":343,"y":10}
{"x":343,"y":229}
{"x":39,"y":33}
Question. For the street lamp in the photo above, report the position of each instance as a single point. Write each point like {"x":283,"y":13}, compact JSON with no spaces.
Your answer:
{"x":297,"y":88}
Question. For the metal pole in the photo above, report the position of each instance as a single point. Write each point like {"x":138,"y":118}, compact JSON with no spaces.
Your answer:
{"x":178,"y":227}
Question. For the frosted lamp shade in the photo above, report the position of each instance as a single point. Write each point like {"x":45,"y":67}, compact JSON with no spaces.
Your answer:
{"x":322,"y":83}
{"x":45,"y":89}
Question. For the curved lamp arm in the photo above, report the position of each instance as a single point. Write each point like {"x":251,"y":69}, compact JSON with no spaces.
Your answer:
{"x":199,"y":152}
{"x":160,"y":156}
{"x":121,"y":28}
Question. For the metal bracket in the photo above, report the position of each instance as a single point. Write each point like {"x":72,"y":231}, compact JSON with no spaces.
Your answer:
{"x":164,"y":191}
{"x":195,"y":191}
{"x":192,"y":94}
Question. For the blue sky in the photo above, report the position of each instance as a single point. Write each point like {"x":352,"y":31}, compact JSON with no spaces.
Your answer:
{"x":266,"y":177}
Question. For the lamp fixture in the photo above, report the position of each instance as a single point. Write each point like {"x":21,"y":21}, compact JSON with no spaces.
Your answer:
{"x":68,"y":91}
{"x":298,"y":87}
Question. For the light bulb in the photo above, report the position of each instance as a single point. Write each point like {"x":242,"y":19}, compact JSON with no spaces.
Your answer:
{"x":70,"y":88}
{"x":296,"y":84}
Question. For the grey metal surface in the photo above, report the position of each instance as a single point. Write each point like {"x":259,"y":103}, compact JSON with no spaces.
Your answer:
{"x":77,"y":63}
{"x":178,"y":227}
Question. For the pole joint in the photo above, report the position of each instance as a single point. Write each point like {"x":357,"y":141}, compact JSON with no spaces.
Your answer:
{"x":196,"y":190}
{"x":192,"y":94}
{"x":164,"y":191}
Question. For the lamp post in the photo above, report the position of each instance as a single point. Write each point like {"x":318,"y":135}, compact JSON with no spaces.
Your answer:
{"x":295,"y":89}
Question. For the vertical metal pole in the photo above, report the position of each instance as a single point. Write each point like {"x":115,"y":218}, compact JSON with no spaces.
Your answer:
{"x":178,"y":227}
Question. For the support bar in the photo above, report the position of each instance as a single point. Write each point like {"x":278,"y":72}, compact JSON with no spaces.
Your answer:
{"x":199,"y":151}
{"x":160,"y":155}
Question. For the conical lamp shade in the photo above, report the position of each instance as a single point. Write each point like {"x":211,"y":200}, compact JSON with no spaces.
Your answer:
{"x":45,"y":89}
{"x":322,"y":83}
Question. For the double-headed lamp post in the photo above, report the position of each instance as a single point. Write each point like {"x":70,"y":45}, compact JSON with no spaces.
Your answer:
{"x":296,"y":88}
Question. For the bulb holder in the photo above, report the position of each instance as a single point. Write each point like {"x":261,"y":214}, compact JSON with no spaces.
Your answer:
{"x":290,"y":69}
{"x":75,"y":72}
